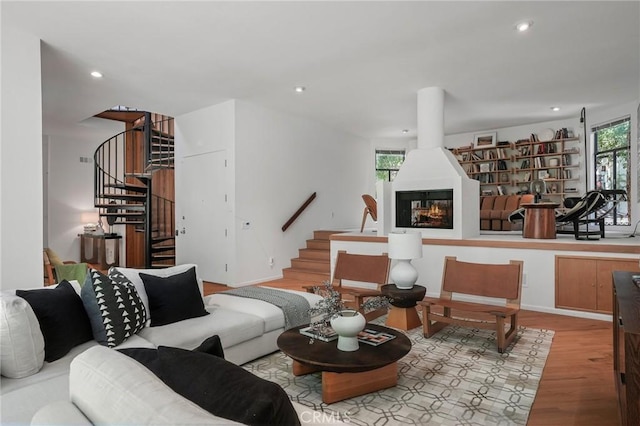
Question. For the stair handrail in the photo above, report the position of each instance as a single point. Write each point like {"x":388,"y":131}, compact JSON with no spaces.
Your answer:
{"x":110,"y":169}
{"x":115,"y":172}
{"x":298,"y":212}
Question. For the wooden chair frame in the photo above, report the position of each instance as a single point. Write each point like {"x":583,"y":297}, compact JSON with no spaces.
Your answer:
{"x":371,"y":208}
{"x":502,"y":281}
{"x":362,"y":268}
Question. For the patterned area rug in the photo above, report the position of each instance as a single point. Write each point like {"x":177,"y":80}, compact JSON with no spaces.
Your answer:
{"x":457,"y":377}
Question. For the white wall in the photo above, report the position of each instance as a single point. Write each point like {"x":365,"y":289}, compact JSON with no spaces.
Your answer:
{"x":70,"y":187}
{"x":275,"y":162}
{"x":280,"y":161}
{"x":20,"y":161}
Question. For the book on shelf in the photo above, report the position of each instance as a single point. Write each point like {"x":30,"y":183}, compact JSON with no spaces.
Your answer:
{"x":374,"y":337}
{"x":320,"y":332}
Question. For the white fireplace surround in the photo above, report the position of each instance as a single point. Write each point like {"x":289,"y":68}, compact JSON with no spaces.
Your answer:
{"x":431,"y":167}
{"x":437,"y":168}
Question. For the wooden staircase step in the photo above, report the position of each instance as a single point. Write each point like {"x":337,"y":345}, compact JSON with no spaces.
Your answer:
{"x":127,"y":187}
{"x":297,"y":274}
{"x":125,"y":206}
{"x":124,"y":214}
{"x":324,"y":234}
{"x":319,"y":244}
{"x":159,"y":257}
{"x":160,"y":249}
{"x":307,"y":253}
{"x":129,"y":197}
{"x":311,"y":265}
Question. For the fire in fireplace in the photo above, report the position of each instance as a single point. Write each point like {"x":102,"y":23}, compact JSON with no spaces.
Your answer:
{"x":425,"y":209}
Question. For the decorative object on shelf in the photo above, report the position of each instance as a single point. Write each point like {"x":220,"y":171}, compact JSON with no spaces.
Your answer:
{"x":403,"y":247}
{"x":348,"y":323}
{"x":485,"y":140}
{"x":546,"y":135}
{"x":538,"y":187}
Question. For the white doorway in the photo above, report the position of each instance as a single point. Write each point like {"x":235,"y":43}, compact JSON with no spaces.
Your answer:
{"x":201,"y":218}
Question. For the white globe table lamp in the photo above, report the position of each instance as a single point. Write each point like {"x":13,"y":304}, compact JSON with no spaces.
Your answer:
{"x":403,"y":247}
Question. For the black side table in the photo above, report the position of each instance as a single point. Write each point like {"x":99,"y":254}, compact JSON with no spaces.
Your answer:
{"x":403,"y":313}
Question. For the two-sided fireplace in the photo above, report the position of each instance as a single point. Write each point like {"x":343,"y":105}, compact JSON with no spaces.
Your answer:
{"x":425,"y":209}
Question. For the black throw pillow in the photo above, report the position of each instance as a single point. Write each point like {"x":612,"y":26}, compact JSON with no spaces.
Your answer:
{"x":173,"y":298}
{"x":211,"y":346}
{"x":219,"y":386}
{"x":63,"y":320}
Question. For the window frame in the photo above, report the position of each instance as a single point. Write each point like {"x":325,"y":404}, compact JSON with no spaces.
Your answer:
{"x":615,"y":158}
{"x":390,"y":172}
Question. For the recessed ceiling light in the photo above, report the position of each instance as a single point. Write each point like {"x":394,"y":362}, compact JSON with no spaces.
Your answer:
{"x":300,"y":89}
{"x":554,"y":108}
{"x":405,"y":131}
{"x":96,"y":74}
{"x":524,"y":26}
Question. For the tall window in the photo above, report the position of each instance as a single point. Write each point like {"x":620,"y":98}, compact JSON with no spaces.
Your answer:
{"x":388,"y":163}
{"x":612,"y":149}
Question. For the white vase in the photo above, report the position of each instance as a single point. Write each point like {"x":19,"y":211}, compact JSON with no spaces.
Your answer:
{"x":348,"y":324}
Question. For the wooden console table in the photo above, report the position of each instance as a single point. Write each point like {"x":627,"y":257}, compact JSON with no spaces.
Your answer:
{"x":539,"y":220}
{"x":93,"y":250}
{"x":626,"y":346}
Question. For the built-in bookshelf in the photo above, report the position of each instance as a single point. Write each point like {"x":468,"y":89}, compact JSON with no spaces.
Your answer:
{"x":510,"y":167}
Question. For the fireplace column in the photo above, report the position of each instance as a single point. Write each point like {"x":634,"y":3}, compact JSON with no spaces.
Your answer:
{"x":430,"y":118}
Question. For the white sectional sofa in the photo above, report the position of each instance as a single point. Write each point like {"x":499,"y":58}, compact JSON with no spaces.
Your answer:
{"x":247,"y":328}
{"x":107,"y":387}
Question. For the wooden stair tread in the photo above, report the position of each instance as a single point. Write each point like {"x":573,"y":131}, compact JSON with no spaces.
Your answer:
{"x":123,"y":214}
{"x":123,"y":196}
{"x":125,"y":206}
{"x":127,"y":187}
{"x":307,"y":253}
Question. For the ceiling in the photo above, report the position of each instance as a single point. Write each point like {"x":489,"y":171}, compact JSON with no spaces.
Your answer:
{"x":362,"y":63}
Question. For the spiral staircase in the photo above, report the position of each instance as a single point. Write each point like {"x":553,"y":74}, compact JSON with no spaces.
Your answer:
{"x":133,"y":186}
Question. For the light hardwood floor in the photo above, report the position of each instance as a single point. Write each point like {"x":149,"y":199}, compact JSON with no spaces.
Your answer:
{"x":577,"y":385}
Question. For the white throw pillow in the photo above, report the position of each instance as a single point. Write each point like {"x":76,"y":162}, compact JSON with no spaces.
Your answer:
{"x":21,"y":341}
{"x":134,"y":276}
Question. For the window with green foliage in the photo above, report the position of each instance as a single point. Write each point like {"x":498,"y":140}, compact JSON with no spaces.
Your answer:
{"x":388,"y":163}
{"x":612,"y":148}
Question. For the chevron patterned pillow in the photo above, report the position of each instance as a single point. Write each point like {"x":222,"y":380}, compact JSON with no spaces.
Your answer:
{"x":114,"y":307}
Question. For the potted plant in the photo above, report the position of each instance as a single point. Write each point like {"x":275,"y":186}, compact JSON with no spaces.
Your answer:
{"x":346,"y":322}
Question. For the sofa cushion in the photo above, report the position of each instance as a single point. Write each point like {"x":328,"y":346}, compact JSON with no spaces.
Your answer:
{"x":21,"y":341}
{"x":218,"y":386}
{"x":232,"y":327}
{"x":111,"y":388}
{"x":134,"y":276}
{"x":62,"y":318}
{"x":173,"y":298}
{"x":114,"y":307}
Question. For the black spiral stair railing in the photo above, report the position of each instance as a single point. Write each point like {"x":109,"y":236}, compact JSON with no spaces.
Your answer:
{"x":123,"y":192}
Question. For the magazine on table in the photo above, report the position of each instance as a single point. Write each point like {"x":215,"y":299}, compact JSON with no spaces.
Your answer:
{"x":373,"y":337}
{"x":320,"y":332}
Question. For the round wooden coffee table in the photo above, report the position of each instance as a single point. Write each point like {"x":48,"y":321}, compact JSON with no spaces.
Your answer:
{"x":346,"y":374}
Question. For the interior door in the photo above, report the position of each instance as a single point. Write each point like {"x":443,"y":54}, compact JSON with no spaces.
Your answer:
{"x":202,"y":211}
